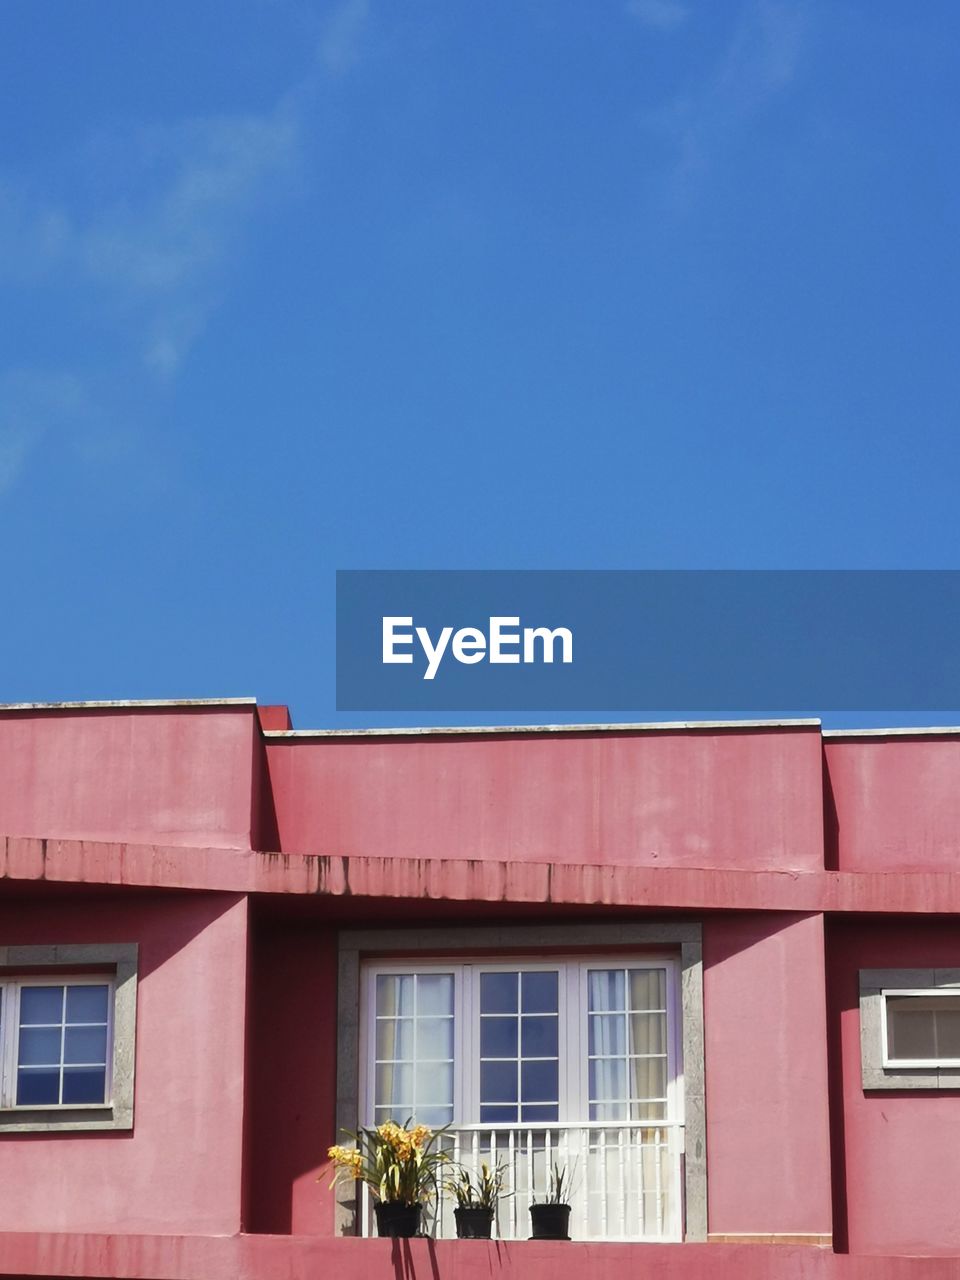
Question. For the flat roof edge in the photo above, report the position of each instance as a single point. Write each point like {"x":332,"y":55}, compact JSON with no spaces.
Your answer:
{"x":920,"y":731}
{"x":467,"y":730}
{"x":132,"y":703}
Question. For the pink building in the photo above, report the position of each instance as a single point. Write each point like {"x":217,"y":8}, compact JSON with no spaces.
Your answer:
{"x":712,"y":968}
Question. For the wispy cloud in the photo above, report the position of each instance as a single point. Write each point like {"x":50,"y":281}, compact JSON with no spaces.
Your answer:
{"x":759,"y":63}
{"x":35,"y":408}
{"x":661,"y":15}
{"x":342,"y":34}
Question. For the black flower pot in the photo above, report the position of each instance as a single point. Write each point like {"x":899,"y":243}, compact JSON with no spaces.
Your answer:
{"x":550,"y":1221}
{"x":473,"y":1223}
{"x":398,"y":1220}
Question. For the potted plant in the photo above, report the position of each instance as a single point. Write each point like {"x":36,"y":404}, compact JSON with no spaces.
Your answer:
{"x":476,"y":1200}
{"x":400,"y":1165}
{"x":550,"y":1217}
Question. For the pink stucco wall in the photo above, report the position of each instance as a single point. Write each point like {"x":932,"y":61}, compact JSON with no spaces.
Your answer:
{"x":179,"y":1170}
{"x":897,"y":1153}
{"x":150,"y":775}
{"x":895,"y":803}
{"x":694,"y":799}
{"x":768,"y":1142}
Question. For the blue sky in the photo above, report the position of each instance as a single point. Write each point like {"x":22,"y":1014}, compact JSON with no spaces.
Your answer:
{"x":526,"y":284}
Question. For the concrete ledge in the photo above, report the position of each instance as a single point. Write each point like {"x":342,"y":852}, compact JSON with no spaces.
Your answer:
{"x":245,"y":1257}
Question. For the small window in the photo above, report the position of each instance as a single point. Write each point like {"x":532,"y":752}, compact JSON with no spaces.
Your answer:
{"x":56,"y":1042}
{"x":921,"y":1028}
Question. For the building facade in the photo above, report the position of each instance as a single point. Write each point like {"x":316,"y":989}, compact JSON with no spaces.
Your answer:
{"x":712,"y":970}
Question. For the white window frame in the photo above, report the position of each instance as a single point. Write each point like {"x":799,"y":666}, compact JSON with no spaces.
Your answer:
{"x":573,"y":1029}
{"x":10,"y":989}
{"x":920,"y":1063}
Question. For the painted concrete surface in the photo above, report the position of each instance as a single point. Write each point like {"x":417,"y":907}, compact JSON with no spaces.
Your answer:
{"x":179,"y":1170}
{"x":768,"y":1135}
{"x":894,"y":803}
{"x":897,"y":1154}
{"x":181,"y":776}
{"x":700,"y":799}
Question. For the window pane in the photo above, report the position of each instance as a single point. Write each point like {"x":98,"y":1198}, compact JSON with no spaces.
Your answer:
{"x":539,"y":992}
{"x":40,"y":1046}
{"x":539,"y":1081}
{"x":84,"y":1084}
{"x":434,"y":1038}
{"x":910,"y":1029}
{"x":436,"y":1117}
{"x":609,"y":1111}
{"x":498,"y":992}
{"x":37,"y":1088}
{"x":87,"y":1003}
{"x":498,"y":1115}
{"x":434,"y":1084}
{"x":498,"y":1037}
{"x":608,"y":1079}
{"x":498,"y":1082}
{"x":948,"y":1031}
{"x":648,"y":1110}
{"x":608,"y":1034}
{"x":648,"y":1033}
{"x":539,"y":1114}
{"x":394,"y":1038}
{"x":539,"y":1037}
{"x":394,"y":1087}
{"x":395,"y":994}
{"x":648,"y":989}
{"x":648,"y":1077}
{"x":40,"y":1004}
{"x":85,"y":1044}
{"x":605,"y":989}
{"x":434,"y":994}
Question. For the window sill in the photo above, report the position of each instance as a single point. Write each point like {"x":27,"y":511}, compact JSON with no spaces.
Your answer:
{"x":64,"y":1119}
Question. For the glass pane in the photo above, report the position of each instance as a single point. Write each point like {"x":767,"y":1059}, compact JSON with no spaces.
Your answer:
{"x":648,"y":989}
{"x":609,"y":1111}
{"x":539,"y":1081}
{"x":948,"y":1031}
{"x":648,"y":1077}
{"x":434,"y":1037}
{"x":910,"y":1030}
{"x":40,"y":1004}
{"x":608,"y":1079}
{"x":394,"y":1038}
{"x":436,"y":1117}
{"x":498,"y":1115}
{"x":395,"y":994}
{"x":87,"y":1003}
{"x":37,"y":1088}
{"x":539,"y":992}
{"x":648,"y":1033}
{"x":498,"y":992}
{"x":84,"y":1084}
{"x":605,"y":988}
{"x":608,"y":1034}
{"x":394,"y":1088}
{"x":539,"y":1114}
{"x":434,"y":994}
{"x":85,"y":1044}
{"x":498,"y":1082}
{"x":40,"y":1046}
{"x":539,"y":1037}
{"x":648,"y":1110}
{"x":434,"y":1084}
{"x":498,"y":1037}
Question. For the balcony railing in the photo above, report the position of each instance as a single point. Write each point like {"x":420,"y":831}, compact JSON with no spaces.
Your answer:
{"x":625,"y":1179}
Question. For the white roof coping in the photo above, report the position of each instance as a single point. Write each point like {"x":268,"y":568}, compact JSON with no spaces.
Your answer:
{"x":465,"y":730}
{"x":920,"y":731}
{"x":131,"y":703}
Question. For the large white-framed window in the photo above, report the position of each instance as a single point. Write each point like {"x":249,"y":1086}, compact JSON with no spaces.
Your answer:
{"x":56,"y":1042}
{"x":517,"y":1042}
